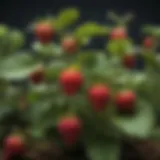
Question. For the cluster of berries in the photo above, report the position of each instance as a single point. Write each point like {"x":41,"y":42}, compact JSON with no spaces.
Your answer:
{"x":99,"y":95}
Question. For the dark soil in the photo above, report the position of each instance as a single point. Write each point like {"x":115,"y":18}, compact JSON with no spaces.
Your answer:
{"x":145,"y":150}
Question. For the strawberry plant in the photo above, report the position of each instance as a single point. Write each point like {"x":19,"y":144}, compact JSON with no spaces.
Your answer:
{"x":58,"y":91}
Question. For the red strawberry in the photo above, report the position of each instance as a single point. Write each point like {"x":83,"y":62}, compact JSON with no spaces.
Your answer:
{"x":148,"y":42}
{"x":125,"y":101}
{"x":37,"y":76}
{"x":71,"y":80}
{"x":44,"y":32}
{"x":13,"y":145}
{"x":69,"y":45}
{"x":118,"y":33}
{"x":129,"y":61}
{"x":99,"y":96}
{"x":70,"y":129}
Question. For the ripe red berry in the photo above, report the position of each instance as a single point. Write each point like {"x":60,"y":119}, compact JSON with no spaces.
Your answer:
{"x":71,"y":80}
{"x":99,"y":96}
{"x":14,"y":145}
{"x":129,"y":61}
{"x":125,"y":101}
{"x":44,"y":32}
{"x":148,"y":42}
{"x":37,"y":76}
{"x":69,"y":45}
{"x":118,"y":33}
{"x":70,"y":129}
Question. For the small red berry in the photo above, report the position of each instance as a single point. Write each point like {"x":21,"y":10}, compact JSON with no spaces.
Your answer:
{"x":99,"y":96}
{"x":14,"y":145}
{"x":129,"y":61}
{"x":69,"y":45}
{"x":71,"y":80}
{"x":44,"y":32}
{"x":118,"y":33}
{"x":70,"y":129}
{"x":148,"y":42}
{"x":37,"y":76}
{"x":125,"y":101}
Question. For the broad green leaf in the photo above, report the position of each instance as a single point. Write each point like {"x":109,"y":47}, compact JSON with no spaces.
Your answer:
{"x":37,"y":132}
{"x":88,"y":30}
{"x":39,"y":110}
{"x":16,"y":67}
{"x":140,"y":125}
{"x":107,"y":151}
{"x":147,"y":29}
{"x":102,"y":63}
{"x":54,"y":69}
{"x":154,"y":30}
{"x":40,"y":92}
{"x":125,"y":45}
{"x":66,"y":18}
{"x":116,"y":47}
{"x":112,"y":48}
{"x":157,"y":33}
{"x":16,"y":39}
{"x":12,"y":94}
{"x":135,"y":81}
{"x":3,"y":30}
{"x":47,"y":50}
{"x":87,"y":59}
{"x":151,"y":60}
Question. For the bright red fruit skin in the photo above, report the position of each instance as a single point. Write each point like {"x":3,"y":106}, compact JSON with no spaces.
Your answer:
{"x":69,"y":45}
{"x":70,"y":129}
{"x":148,"y":42}
{"x":71,"y":81}
{"x":99,"y":96}
{"x":125,"y":101}
{"x":14,"y":145}
{"x":129,"y":61}
{"x":44,"y":32}
{"x":118,"y":33}
{"x":37,"y":77}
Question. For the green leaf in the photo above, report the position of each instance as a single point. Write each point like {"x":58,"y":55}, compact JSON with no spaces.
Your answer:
{"x":112,"y":47}
{"x":12,"y":94}
{"x":151,"y":60}
{"x":135,"y":81}
{"x":40,"y":92}
{"x":37,"y":132}
{"x":147,"y":29}
{"x":88,"y":30}
{"x":3,"y":30}
{"x":53,"y":70}
{"x":107,"y":151}
{"x":87,"y":59}
{"x":47,"y":50}
{"x":154,"y":30}
{"x":16,"y":67}
{"x":16,"y":39}
{"x":66,"y":18}
{"x":140,"y":125}
{"x":39,"y":110}
{"x":116,"y":47}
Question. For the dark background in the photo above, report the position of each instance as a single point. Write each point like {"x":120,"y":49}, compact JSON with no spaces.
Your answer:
{"x":18,"y":13}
